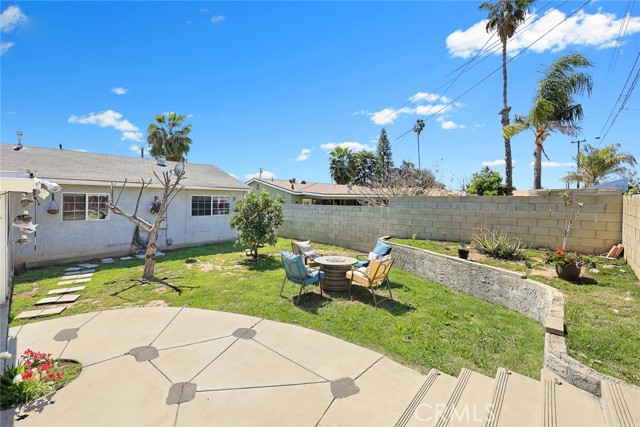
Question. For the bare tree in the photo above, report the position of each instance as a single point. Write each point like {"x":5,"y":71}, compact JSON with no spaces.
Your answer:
{"x":401,"y":182}
{"x":171,"y":183}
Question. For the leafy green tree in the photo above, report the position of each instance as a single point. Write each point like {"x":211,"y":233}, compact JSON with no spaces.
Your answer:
{"x":169,"y":137}
{"x":257,"y":217}
{"x":341,"y":165}
{"x":504,"y":16}
{"x":418,"y":128}
{"x":365,"y":168}
{"x":384,"y":156}
{"x":597,"y":164}
{"x":486,"y":183}
{"x":554,"y":106}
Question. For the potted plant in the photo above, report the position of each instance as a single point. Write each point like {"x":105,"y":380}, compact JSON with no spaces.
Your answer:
{"x":568,"y":264}
{"x":463,"y":252}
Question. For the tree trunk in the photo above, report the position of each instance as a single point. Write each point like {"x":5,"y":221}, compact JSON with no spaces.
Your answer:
{"x":419,"y":166}
{"x":537,"y":165}
{"x":508,"y":165}
{"x":150,"y":258}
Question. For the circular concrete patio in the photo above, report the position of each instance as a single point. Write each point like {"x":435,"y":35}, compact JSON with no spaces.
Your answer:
{"x":174,"y":366}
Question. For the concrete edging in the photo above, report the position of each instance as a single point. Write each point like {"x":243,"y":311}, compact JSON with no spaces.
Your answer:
{"x":513,"y":291}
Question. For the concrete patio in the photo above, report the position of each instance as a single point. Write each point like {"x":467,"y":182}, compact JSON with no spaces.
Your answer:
{"x":174,"y":366}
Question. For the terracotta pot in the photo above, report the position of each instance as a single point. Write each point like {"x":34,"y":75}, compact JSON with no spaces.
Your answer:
{"x":570,"y":272}
{"x":53,"y":211}
{"x":463,"y":253}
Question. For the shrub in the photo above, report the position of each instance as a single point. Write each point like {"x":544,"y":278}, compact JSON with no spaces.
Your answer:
{"x":497,"y":244}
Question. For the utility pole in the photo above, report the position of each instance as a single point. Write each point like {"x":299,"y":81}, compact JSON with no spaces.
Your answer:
{"x":578,"y":159}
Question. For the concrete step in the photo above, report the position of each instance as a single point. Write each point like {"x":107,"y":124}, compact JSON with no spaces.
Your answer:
{"x":564,"y":405}
{"x":469,"y":401}
{"x":621,"y":404}
{"x":516,"y":400}
{"x":429,"y":402}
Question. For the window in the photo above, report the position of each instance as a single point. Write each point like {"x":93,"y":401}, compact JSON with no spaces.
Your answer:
{"x":210,"y":205}
{"x":81,"y":207}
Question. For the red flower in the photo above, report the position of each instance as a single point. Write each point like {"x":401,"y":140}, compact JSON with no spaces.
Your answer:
{"x":577,"y":254}
{"x":60,"y":374}
{"x":45,"y":367}
{"x":571,"y":261}
{"x":26,"y":375}
{"x":53,"y":376}
{"x":559,"y":249}
{"x":560,"y":255}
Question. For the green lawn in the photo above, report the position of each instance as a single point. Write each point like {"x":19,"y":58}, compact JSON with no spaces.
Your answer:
{"x":427,"y":326}
{"x":602,"y":313}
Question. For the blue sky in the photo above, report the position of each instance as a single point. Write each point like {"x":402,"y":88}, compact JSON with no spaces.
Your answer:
{"x":277,"y":85}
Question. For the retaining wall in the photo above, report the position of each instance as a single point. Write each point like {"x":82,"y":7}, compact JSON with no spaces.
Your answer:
{"x":511,"y":290}
{"x":598,"y":227}
{"x":631,"y":231}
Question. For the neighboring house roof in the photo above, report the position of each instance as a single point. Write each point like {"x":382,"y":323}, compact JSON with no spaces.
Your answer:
{"x":316,"y":189}
{"x":78,"y":167}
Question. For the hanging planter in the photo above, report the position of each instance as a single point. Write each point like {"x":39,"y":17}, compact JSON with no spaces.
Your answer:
{"x":53,"y":206}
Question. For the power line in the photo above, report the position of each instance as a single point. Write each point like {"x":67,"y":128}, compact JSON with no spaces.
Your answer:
{"x":618,"y":44}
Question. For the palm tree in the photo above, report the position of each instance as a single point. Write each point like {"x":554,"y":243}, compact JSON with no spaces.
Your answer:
{"x":168,"y":137}
{"x":597,"y":164}
{"x":417,"y":128}
{"x":554,"y":107}
{"x":504,"y":16}
{"x":341,"y":165}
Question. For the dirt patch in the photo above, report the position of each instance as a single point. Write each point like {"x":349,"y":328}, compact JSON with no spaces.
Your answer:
{"x":161,"y":289}
{"x":26,"y":294}
{"x":207,"y":266}
{"x":157,"y":303}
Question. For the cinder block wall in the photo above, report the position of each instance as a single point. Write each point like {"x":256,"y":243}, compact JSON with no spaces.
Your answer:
{"x":631,"y":231}
{"x":598,"y":227}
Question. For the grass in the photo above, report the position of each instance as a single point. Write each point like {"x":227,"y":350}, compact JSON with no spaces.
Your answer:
{"x":602,"y":314}
{"x":428,"y":326}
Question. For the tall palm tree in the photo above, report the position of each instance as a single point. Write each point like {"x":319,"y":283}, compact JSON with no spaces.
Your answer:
{"x":597,"y":164}
{"x":554,"y":107}
{"x":504,"y":16}
{"x":417,"y":128}
{"x":341,"y":165}
{"x":169,"y":137}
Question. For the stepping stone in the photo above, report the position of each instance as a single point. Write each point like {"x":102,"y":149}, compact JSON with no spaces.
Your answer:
{"x":76,"y":273}
{"x":126,"y":258}
{"x":73,"y":269}
{"x":107,"y":260}
{"x":58,"y":299}
{"x":77,"y":276}
{"x":66,"y":290}
{"x":88,"y":265}
{"x":74,"y":281}
{"x":159,"y":253}
{"x":38,"y":313}
{"x":141,"y":256}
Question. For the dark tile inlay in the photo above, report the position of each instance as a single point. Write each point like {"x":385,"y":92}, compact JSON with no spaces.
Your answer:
{"x":142,"y":354}
{"x":344,"y":387}
{"x":67,"y":334}
{"x":244,"y":333}
{"x":181,"y":393}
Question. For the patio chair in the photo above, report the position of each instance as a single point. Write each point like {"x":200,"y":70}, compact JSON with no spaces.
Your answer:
{"x":299,"y":274}
{"x":380,"y":250}
{"x":306,"y":250}
{"x":373,"y":276}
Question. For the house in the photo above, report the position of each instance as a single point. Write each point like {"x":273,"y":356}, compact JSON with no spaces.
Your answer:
{"x":75,"y":224}
{"x":312,"y":193}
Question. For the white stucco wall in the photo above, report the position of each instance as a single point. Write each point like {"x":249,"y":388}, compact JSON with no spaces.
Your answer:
{"x":58,"y":241}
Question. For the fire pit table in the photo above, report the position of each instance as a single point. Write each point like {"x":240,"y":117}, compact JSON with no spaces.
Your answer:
{"x":335,"y":269}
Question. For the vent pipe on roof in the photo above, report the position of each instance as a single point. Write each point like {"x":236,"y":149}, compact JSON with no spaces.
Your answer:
{"x":60,"y":145}
{"x":142,"y":152}
{"x":19,"y":146}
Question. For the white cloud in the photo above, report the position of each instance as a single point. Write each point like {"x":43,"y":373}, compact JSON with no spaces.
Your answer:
{"x":218,"y":19}
{"x":428,"y":97}
{"x":110,"y":118}
{"x":360,"y":113}
{"x":135,"y":148}
{"x":11,"y":18}
{"x":265,"y":175}
{"x":449,"y":124}
{"x":119,"y":90}
{"x":598,"y":30}
{"x":304,"y":155}
{"x":389,"y":115}
{"x":353,"y":146}
{"x":555,"y":164}
{"x":491,"y":163}
{"x":131,"y":136}
{"x":5,"y":46}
